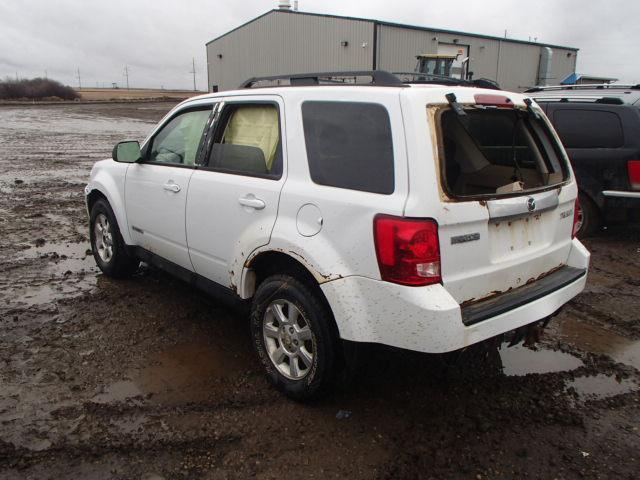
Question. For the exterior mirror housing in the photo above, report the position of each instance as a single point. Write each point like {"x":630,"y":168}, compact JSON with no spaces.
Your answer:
{"x":126,"y":152}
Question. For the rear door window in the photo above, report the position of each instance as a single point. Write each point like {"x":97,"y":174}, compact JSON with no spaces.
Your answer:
{"x":247,"y":141}
{"x":588,"y":128}
{"x":349,"y":145}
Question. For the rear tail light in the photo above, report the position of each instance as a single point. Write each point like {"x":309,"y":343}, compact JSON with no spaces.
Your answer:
{"x":633,"y":167}
{"x":408,"y":250}
{"x":577,"y":218}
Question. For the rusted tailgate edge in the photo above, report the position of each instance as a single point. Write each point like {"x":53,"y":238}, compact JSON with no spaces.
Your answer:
{"x":491,"y":307}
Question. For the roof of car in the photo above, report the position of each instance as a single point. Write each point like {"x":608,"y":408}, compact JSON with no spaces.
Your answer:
{"x":606,"y":93}
{"x":437,"y":92}
{"x":365,"y":80}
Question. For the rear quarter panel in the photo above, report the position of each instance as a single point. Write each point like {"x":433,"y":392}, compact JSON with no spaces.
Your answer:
{"x":344,"y":245}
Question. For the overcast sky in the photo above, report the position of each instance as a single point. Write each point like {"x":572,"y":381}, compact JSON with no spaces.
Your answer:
{"x":157,"y":39}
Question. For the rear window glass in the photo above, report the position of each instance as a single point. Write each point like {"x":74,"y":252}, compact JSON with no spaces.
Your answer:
{"x":589,"y":128}
{"x":349,"y":145}
{"x":498,"y":151}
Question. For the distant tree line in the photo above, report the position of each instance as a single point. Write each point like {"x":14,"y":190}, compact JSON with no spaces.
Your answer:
{"x":35,"y":88}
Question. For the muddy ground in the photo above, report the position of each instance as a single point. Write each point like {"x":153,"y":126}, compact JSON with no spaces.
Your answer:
{"x":148,"y":378}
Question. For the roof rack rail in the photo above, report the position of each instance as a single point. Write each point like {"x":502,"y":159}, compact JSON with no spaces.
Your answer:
{"x":595,"y":86}
{"x":580,"y":99}
{"x":379,"y":78}
{"x":432,"y":78}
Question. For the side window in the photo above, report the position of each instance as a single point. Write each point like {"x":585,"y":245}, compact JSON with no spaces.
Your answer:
{"x":247,"y":141}
{"x":349,"y":145}
{"x":177,"y":143}
{"x":588,"y":128}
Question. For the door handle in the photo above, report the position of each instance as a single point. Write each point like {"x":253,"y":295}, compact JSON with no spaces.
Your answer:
{"x":252,"y":202}
{"x":171,"y":187}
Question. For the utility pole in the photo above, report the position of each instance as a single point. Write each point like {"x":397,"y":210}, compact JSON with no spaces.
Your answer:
{"x":193,"y":70}
{"x":126,"y":74}
{"x":46,"y":77}
{"x":79,"y":81}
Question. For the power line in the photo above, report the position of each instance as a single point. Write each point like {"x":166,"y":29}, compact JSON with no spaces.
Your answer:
{"x":126,"y":74}
{"x":193,"y":70}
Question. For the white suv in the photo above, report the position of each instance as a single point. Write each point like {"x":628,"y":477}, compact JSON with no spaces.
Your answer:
{"x":425,"y":217}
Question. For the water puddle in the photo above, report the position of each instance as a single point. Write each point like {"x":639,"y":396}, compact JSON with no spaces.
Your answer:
{"x":68,"y":270}
{"x":62,"y":122}
{"x":118,"y":392}
{"x":601,"y":386}
{"x":186,"y":373}
{"x":598,"y":340}
{"x":63,"y":257}
{"x":520,"y":360}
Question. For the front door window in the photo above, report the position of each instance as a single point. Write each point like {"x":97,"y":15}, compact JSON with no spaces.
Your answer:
{"x":178,"y":141}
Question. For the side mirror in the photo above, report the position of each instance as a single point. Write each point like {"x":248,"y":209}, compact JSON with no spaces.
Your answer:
{"x":126,"y":152}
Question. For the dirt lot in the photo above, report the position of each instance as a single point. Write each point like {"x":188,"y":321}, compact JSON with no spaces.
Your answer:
{"x":147,"y":378}
{"x":106,"y":94}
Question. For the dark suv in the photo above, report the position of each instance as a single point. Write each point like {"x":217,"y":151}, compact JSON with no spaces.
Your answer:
{"x":602,"y":138}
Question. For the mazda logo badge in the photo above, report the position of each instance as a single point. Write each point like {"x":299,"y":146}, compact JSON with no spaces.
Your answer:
{"x":531,"y":204}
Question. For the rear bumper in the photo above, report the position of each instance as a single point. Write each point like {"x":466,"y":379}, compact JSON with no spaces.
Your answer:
{"x":499,"y":304}
{"x":428,"y":319}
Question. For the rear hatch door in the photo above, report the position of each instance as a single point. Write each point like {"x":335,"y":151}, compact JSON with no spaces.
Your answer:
{"x":506,"y":205}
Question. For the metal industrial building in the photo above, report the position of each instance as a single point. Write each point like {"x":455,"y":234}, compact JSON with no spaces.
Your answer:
{"x":285,"y":41}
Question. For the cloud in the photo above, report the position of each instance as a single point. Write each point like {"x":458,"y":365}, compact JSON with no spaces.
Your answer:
{"x":157,"y":39}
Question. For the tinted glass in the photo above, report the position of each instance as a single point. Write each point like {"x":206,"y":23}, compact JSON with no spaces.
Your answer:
{"x":178,"y":141}
{"x":349,"y":145}
{"x":588,"y":128}
{"x":247,"y":141}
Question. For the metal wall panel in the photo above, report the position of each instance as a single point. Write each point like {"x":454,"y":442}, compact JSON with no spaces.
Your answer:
{"x":280,"y":42}
{"x":398,"y":47}
{"x":518,"y":68}
{"x":563,"y":64}
{"x":513,"y":65}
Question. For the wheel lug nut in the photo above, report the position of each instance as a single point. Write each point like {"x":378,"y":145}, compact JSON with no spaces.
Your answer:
{"x":290,"y":329}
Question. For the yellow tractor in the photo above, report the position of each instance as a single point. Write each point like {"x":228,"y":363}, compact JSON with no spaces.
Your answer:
{"x":451,"y":66}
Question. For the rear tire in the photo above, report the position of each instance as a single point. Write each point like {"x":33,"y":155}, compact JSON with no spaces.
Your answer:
{"x":591,"y":218}
{"x":109,"y":249}
{"x":294,"y":336}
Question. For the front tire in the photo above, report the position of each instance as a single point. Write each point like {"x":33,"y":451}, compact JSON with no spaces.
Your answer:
{"x":109,"y":249}
{"x":294,"y":336}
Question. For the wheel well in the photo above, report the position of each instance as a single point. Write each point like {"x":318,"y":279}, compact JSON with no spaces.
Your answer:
{"x":272,"y":263}
{"x":93,"y":197}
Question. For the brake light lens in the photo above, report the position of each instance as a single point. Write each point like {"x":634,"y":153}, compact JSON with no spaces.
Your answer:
{"x":577,"y":218}
{"x":408,"y":250}
{"x":493,"y":100}
{"x":633,"y":167}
